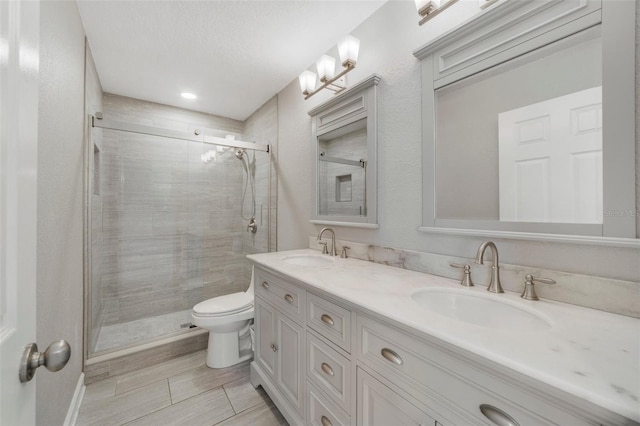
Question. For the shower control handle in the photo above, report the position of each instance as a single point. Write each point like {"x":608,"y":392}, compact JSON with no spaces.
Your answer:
{"x":252,"y":226}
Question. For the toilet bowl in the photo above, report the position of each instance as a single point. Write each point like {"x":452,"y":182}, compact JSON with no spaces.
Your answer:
{"x":228,"y":319}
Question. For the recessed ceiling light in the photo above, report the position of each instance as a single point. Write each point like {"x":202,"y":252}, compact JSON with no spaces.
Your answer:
{"x":188,"y":95}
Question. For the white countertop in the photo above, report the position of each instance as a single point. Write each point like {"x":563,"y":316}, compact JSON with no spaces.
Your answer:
{"x":591,"y":354}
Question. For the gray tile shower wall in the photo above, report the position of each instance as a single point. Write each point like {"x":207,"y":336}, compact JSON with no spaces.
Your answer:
{"x":261,"y":127}
{"x":172,"y":234}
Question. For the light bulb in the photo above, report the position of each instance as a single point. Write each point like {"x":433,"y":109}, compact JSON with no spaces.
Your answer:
{"x":307,"y":81}
{"x":326,"y":67}
{"x":348,"y":50}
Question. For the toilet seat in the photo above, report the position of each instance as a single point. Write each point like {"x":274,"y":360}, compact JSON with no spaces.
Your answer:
{"x":224,"y":305}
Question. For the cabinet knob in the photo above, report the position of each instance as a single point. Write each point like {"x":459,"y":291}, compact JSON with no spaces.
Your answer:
{"x":265,"y":285}
{"x":497,"y":416}
{"x":391,"y":356}
{"x":274,"y":347}
{"x":327,"y":319}
{"x":325,"y":421}
{"x":288,"y":298}
{"x":327,"y":369}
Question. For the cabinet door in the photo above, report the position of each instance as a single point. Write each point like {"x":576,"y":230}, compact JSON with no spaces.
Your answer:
{"x":379,"y":405}
{"x":289,"y":371}
{"x":265,"y":318}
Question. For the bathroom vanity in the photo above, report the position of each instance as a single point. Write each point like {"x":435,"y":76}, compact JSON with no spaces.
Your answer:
{"x":345,"y":342}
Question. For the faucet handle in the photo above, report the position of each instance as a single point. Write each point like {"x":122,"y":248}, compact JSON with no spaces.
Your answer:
{"x":529,"y":292}
{"x":466,"y":278}
{"x":324,"y":247}
{"x":344,"y":252}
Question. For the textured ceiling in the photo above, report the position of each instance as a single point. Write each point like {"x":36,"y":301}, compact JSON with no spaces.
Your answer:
{"x":234,"y":54}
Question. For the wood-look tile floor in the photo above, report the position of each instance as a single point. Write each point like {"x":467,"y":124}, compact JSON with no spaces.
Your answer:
{"x":182,"y":391}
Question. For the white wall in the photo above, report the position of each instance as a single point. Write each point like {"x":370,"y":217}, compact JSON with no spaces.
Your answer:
{"x":60,"y":198}
{"x":388,"y":39}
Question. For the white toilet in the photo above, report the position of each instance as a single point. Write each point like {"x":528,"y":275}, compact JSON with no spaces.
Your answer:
{"x":228,"y":319}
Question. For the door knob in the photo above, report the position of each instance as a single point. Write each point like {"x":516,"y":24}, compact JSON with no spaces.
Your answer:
{"x":54,"y":358}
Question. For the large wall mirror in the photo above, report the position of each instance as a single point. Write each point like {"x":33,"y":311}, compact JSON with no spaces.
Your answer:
{"x":526,"y":124}
{"x":344,"y":135}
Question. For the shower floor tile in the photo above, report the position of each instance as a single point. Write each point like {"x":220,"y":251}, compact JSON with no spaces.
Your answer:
{"x":142,"y":330}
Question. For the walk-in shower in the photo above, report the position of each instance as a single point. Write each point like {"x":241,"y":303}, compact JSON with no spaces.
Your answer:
{"x":171,"y":217}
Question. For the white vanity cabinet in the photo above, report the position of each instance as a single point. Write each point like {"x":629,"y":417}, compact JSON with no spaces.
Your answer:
{"x":379,"y":405}
{"x":327,"y":361}
{"x":463,"y":392}
{"x":280,"y":339}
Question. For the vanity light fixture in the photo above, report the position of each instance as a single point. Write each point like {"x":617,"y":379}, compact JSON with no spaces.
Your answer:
{"x":188,"y":95}
{"x":348,"y":50}
{"x":427,"y":9}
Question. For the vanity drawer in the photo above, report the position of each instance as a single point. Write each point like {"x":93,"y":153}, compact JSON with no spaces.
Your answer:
{"x":330,"y":320}
{"x":330,"y":371}
{"x":322,"y":412}
{"x":404,"y":358}
{"x":287,"y":297}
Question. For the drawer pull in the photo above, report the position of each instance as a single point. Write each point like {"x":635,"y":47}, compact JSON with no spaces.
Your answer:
{"x":265,"y":285}
{"x":327,"y":319}
{"x":327,"y":369}
{"x":274,"y":347}
{"x":497,"y":416}
{"x":325,"y":421}
{"x":391,"y":356}
{"x":288,"y":298}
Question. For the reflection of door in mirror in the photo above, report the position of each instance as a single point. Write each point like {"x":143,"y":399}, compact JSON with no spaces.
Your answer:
{"x":342,"y":171}
{"x":550,"y":160}
{"x":472,"y":134}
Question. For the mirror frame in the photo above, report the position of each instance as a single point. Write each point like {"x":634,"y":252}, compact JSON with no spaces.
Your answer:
{"x":512,"y":28}
{"x":357,"y":103}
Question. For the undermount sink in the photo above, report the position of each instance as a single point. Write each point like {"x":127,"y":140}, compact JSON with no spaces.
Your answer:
{"x":309,"y":260}
{"x":480,"y":309}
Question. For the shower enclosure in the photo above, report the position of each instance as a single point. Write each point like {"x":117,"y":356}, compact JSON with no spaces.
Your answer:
{"x":172,"y":217}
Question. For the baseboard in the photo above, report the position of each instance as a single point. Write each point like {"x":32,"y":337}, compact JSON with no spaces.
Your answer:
{"x":76,"y":401}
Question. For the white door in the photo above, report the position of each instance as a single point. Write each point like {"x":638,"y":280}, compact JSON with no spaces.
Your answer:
{"x":19,"y":55}
{"x":550,"y":157}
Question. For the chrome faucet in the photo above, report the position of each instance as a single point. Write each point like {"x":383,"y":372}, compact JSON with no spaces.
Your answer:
{"x":333,"y":240}
{"x":494,"y":285}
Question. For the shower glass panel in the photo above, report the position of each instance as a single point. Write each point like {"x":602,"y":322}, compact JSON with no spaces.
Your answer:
{"x":167,"y":231}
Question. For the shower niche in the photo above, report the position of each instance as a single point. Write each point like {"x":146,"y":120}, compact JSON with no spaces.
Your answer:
{"x":344,"y":134}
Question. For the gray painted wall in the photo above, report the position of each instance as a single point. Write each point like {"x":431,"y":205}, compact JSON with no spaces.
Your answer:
{"x":388,"y":39}
{"x":60,"y":199}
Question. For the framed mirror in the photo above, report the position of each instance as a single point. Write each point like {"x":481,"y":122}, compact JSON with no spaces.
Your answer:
{"x":528,"y":114}
{"x":344,"y":164}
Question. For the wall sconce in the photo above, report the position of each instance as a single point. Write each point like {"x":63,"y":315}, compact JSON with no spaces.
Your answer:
{"x":326,"y":66}
{"x":427,"y":9}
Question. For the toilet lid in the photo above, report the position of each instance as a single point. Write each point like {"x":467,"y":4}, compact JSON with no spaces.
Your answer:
{"x":227,"y":304}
